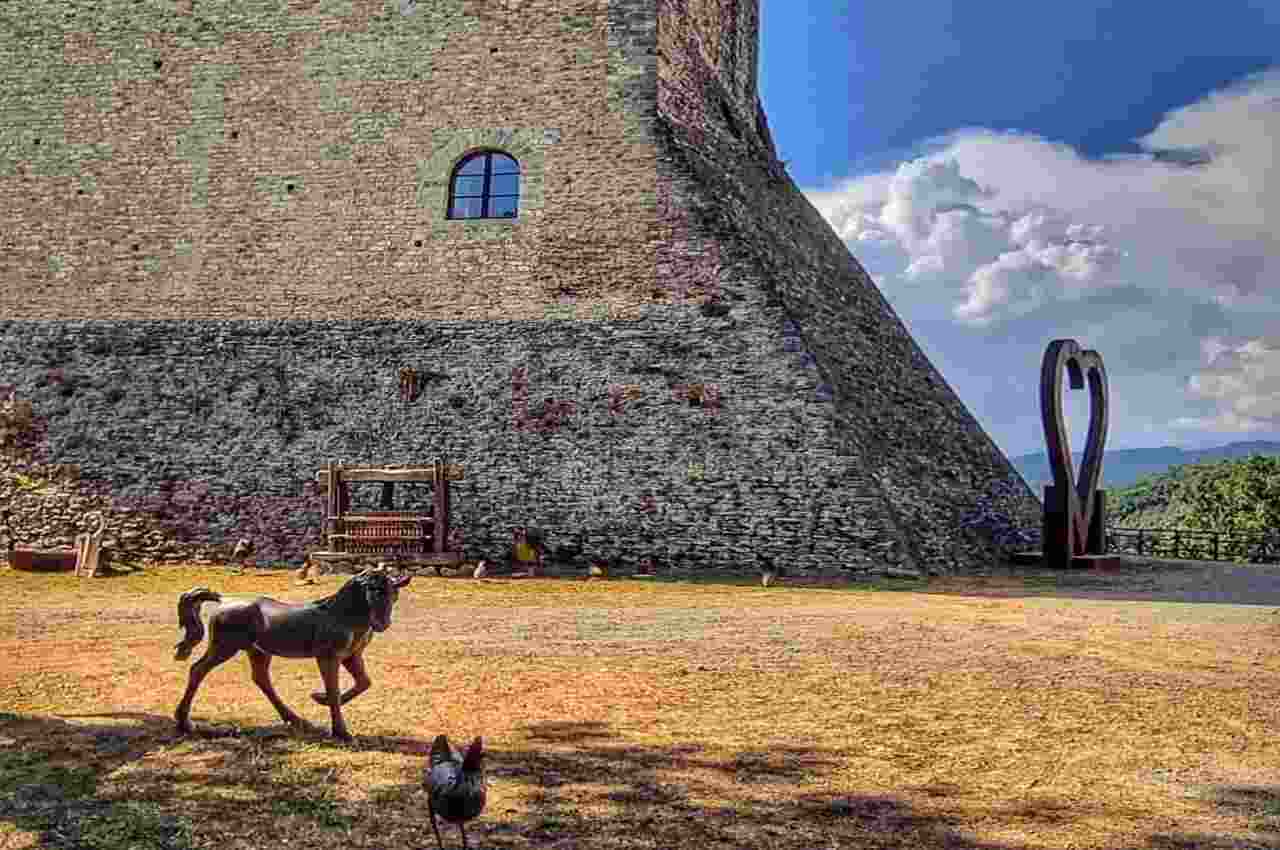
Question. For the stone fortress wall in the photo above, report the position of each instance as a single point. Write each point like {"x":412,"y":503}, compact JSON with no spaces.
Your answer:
{"x":224,"y":235}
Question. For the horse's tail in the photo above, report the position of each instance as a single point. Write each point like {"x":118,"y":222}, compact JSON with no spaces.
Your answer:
{"x":189,"y":619}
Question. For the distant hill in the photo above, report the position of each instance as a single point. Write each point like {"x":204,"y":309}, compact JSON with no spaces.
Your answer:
{"x":1124,"y":467}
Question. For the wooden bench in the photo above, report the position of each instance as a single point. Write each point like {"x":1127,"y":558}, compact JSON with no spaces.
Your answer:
{"x":402,"y":536}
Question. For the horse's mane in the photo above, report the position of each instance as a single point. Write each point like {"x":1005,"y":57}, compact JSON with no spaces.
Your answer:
{"x":350,"y":591}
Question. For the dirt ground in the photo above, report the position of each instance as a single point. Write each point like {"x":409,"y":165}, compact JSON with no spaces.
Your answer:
{"x":1135,"y":709}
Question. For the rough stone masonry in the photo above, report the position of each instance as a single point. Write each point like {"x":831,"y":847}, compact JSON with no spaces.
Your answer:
{"x":224,"y":234}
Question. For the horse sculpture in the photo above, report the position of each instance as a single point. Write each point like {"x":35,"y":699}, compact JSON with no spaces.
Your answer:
{"x":334,"y":631}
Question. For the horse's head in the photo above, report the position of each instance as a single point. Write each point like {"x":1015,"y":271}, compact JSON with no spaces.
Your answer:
{"x":380,"y":591}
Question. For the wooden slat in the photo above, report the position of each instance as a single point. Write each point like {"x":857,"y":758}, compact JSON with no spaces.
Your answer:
{"x":453,"y":472}
{"x":333,"y":480}
{"x":440,"y":508}
{"x":375,"y":518}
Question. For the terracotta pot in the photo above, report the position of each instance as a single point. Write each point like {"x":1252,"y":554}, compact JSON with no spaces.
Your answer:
{"x":44,"y":560}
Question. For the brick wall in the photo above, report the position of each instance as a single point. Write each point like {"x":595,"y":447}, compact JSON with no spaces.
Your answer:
{"x":259,"y":161}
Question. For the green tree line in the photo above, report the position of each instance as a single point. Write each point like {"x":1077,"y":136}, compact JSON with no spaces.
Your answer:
{"x":1240,"y":496}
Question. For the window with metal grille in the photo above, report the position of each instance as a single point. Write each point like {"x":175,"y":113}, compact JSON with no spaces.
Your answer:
{"x":485,"y":185}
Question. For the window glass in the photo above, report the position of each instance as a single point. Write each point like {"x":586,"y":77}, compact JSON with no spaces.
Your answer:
{"x":503,"y":164}
{"x":504,"y":184}
{"x":465,"y":208}
{"x":468,"y":187}
{"x":468,"y":195}
{"x":475,"y":165}
{"x":503,"y":207}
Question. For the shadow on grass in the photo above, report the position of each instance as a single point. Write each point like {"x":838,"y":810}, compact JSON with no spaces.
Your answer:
{"x":53,"y":781}
{"x":50,"y":772}
{"x":78,"y":785}
{"x":655,"y":794}
{"x":1259,"y":804}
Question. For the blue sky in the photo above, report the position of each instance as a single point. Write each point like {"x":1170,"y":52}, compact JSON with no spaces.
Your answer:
{"x":1013,"y":173}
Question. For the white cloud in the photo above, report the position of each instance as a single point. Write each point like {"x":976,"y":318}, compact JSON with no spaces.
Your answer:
{"x":1013,"y":235}
{"x":1243,"y":379}
{"x":1084,"y":224}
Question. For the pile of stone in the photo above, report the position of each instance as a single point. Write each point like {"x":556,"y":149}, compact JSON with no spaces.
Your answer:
{"x":44,"y":508}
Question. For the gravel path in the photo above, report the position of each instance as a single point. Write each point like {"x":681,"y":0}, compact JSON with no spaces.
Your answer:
{"x":1146,"y":580}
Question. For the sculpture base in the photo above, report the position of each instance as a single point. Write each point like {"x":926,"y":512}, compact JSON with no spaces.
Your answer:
{"x":1056,"y":532}
{"x":1104,"y":563}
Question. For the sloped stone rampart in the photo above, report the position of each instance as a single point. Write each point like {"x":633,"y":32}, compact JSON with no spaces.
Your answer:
{"x":898,"y":419}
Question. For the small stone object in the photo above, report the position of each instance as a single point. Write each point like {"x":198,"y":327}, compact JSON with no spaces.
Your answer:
{"x":242,"y":553}
{"x":482,"y":569}
{"x":769,"y":573}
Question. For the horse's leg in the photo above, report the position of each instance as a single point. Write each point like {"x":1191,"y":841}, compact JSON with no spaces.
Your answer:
{"x":217,"y":653}
{"x":355,"y":666}
{"x":329,"y":672}
{"x":261,"y":663}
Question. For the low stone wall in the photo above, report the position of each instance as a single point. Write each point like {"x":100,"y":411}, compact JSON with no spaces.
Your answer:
{"x":662,"y":437}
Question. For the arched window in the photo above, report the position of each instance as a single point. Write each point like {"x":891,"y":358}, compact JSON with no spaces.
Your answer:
{"x":485,"y":185}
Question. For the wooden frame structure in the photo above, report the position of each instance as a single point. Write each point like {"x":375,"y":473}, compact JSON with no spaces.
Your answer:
{"x":403,"y":536}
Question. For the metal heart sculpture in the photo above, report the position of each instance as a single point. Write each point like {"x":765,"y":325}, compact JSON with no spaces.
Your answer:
{"x":1078,"y":363}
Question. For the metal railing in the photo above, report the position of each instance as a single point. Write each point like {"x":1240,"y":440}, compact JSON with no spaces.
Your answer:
{"x":1185,"y":543}
{"x":1194,"y":544}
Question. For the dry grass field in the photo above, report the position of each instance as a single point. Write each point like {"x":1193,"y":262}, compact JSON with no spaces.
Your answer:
{"x":1007,"y":712}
